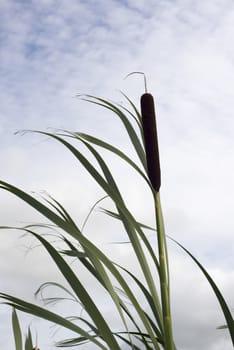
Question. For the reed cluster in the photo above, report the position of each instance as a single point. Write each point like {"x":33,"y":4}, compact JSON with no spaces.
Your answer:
{"x":141,"y":328}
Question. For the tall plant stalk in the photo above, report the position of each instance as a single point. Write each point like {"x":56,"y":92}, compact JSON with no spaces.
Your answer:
{"x":164,"y":275}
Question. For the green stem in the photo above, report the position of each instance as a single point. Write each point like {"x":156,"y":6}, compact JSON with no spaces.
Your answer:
{"x":164,"y":276}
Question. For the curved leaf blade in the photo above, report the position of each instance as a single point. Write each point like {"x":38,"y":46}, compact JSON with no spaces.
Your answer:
{"x":219,"y":296}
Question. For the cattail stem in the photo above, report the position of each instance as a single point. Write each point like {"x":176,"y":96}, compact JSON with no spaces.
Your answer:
{"x":151,"y":140}
{"x":164,"y":276}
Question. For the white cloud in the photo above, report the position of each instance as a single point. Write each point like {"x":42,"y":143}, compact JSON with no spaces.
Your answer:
{"x":51,"y":50}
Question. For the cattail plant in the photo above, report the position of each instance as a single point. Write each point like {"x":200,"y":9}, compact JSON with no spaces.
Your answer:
{"x":154,"y":174}
{"x":148,"y":328}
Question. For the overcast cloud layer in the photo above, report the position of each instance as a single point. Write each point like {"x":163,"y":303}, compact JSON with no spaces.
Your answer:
{"x":51,"y":51}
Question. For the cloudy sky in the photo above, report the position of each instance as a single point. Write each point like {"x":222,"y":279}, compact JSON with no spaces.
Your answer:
{"x":52,"y":50}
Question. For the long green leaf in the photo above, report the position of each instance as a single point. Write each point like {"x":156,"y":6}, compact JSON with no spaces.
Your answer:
{"x":16,"y":331}
{"x":149,"y":299}
{"x":112,"y":149}
{"x":80,"y":340}
{"x":138,"y":114}
{"x":127,"y":342}
{"x":83,"y":258}
{"x":116,"y":216}
{"x":81,"y":293}
{"x":34,"y":203}
{"x":38,"y":311}
{"x":129,"y":128}
{"x":219,"y":296}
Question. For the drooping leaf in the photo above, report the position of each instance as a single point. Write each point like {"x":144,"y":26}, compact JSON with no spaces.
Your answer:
{"x":226,"y":311}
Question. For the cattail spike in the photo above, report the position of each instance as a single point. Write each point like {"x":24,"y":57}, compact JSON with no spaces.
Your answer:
{"x":151,"y":140}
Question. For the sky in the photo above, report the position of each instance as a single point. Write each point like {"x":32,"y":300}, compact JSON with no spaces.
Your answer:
{"x":50,"y":51}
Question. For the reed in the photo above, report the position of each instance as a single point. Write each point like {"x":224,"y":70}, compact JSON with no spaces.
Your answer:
{"x":141,"y":328}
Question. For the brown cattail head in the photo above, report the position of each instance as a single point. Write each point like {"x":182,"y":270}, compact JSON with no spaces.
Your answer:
{"x":151,"y":140}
